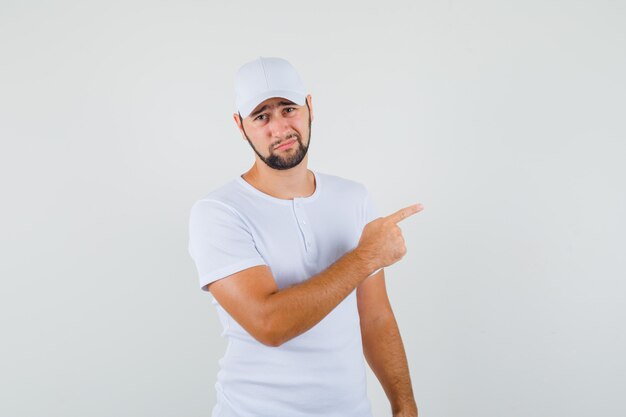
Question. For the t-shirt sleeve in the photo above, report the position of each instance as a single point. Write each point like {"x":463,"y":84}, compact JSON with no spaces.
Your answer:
{"x":371,"y":210}
{"x":220,"y":243}
{"x":371,"y":213}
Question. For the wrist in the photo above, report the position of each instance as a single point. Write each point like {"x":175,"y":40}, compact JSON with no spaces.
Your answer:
{"x":408,"y":409}
{"x":365,"y":261}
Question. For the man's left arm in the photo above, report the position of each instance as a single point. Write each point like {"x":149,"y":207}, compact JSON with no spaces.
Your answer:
{"x":382,"y":345}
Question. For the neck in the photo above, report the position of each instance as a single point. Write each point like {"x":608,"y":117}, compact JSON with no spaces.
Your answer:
{"x":286,"y":184}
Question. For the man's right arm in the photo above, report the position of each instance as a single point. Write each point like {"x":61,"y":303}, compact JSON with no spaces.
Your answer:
{"x":274,"y":316}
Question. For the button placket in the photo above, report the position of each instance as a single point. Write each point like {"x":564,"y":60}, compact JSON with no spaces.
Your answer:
{"x":302,"y":225}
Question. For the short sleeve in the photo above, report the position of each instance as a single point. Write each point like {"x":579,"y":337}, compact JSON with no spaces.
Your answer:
{"x":371,"y":213}
{"x":219,"y":242}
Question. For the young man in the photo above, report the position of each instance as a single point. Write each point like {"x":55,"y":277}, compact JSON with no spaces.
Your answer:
{"x":282,"y":249}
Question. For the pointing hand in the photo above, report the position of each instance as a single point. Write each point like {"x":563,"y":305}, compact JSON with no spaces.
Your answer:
{"x":381,"y":240}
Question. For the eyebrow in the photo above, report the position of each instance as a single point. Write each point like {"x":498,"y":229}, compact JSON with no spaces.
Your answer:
{"x":280,"y":103}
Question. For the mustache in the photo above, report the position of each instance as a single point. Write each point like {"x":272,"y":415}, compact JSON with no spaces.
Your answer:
{"x":287,"y":139}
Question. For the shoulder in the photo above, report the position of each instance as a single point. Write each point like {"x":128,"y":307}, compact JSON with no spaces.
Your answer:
{"x":343,"y":186}
{"x":222,"y":201}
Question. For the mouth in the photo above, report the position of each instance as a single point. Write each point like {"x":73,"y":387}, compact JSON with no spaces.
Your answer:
{"x":286,"y":144}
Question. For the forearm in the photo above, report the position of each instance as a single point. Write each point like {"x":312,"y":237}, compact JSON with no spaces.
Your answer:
{"x":294,"y":310}
{"x":384,"y":352}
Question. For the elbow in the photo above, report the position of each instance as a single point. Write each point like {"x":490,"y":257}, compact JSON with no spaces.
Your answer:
{"x":266,"y":337}
{"x":270,"y":341}
{"x":269,"y":333}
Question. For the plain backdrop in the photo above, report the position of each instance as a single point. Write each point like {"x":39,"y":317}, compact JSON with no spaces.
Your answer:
{"x":504,"y":118}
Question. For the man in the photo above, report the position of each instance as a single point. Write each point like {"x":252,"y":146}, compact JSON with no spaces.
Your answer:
{"x":282,"y":249}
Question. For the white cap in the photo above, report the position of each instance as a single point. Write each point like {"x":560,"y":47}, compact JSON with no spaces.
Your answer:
{"x":264,"y":78}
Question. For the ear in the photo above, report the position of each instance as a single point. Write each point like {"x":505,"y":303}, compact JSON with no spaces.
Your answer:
{"x":239,"y":123}
{"x":308,"y":100}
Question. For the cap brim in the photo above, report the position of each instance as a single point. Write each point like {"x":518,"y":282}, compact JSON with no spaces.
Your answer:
{"x":246,"y":108}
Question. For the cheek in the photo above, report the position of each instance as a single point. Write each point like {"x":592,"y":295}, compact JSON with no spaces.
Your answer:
{"x":262,"y":135}
{"x":303,"y":126}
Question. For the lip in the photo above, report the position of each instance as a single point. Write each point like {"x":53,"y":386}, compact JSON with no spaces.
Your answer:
{"x":287,"y":144}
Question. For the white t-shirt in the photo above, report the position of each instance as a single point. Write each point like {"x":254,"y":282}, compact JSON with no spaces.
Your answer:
{"x":322,"y":371}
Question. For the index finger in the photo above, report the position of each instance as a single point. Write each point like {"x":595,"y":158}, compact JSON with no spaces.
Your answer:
{"x":405,"y":212}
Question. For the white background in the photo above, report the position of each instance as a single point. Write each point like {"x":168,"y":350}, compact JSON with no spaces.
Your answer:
{"x":505,"y":119}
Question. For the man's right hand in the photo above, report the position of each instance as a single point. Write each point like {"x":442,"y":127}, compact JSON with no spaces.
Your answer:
{"x":381,"y":240}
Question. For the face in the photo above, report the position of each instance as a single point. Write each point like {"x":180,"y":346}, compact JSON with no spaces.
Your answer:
{"x":276,"y":122}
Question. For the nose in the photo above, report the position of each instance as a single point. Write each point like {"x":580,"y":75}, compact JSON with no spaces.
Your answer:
{"x":279,"y":127}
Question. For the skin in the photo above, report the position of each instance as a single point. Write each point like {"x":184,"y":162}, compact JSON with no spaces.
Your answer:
{"x":273,"y":316}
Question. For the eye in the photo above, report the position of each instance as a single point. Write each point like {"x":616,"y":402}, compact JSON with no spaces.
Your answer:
{"x":290,"y":108}
{"x":257,"y":118}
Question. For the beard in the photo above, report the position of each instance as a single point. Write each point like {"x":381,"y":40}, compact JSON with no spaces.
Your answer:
{"x":286,"y":160}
